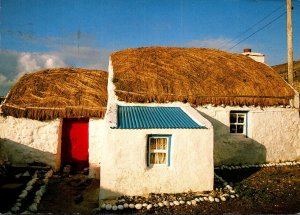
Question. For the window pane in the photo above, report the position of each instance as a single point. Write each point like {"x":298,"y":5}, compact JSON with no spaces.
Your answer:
{"x":232,"y":128}
{"x":232,"y":118}
{"x":161,"y":158}
{"x":152,"y":143}
{"x":152,"y":158}
{"x":240,"y":129}
{"x":241,"y":118}
{"x":162,"y":143}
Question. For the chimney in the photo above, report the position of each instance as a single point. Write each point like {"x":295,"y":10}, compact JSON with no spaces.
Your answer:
{"x":255,"y":56}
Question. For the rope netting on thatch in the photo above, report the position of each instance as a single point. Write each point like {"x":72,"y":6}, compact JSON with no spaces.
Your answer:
{"x":198,"y":76}
{"x":59,"y":93}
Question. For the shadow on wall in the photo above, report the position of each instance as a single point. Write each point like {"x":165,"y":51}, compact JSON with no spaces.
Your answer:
{"x":233,"y":149}
{"x":19,"y":153}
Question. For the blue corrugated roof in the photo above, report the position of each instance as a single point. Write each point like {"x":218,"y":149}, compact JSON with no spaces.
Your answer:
{"x":141,"y":117}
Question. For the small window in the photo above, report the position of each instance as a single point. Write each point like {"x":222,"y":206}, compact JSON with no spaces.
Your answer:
{"x":238,"y":122}
{"x":158,"y":150}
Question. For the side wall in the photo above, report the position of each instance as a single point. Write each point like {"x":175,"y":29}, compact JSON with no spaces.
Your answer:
{"x":124,"y":169}
{"x":273,"y":135}
{"x":97,"y":136}
{"x":25,"y":140}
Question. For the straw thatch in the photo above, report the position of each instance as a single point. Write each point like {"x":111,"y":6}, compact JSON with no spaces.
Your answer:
{"x":58,"y":93}
{"x":282,"y":70}
{"x":196,"y":75}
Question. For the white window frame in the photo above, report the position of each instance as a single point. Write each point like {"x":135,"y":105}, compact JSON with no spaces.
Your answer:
{"x":244,"y":124}
{"x":166,"y":151}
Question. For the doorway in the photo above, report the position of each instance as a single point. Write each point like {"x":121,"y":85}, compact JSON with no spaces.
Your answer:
{"x":75,"y":144}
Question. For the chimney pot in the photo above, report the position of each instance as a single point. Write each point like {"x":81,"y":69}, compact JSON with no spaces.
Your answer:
{"x":247,"y":50}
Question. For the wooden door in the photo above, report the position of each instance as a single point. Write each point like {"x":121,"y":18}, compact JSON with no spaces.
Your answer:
{"x":75,"y":143}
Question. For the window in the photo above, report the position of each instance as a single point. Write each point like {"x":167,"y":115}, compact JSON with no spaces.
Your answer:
{"x":158,"y":150}
{"x":238,"y":122}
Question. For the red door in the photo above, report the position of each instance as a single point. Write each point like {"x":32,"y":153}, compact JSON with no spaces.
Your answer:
{"x":75,"y":143}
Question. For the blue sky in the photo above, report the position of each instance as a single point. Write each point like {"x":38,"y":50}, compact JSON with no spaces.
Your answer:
{"x":38,"y":34}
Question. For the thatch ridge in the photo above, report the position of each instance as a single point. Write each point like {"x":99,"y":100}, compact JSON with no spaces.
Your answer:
{"x":196,"y":75}
{"x":58,"y":93}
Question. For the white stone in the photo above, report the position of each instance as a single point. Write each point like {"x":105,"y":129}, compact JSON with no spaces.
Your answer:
{"x":176,"y":202}
{"x":160,"y":204}
{"x":171,"y":204}
{"x":138,"y":206}
{"x":188,"y":202}
{"x":18,"y":204}
{"x":15,"y":209}
{"x":28,"y":188}
{"x":22,"y":195}
{"x":181,"y":202}
{"x":211,"y":199}
{"x":145,"y":205}
{"x":232,"y":196}
{"x":33,"y":207}
{"x":223,"y":198}
{"x":114,"y":208}
{"x":205,"y":198}
{"x":166,"y":203}
{"x":37,"y":201}
{"x":126,"y":205}
{"x":26,"y":173}
{"x":217,"y":200}
{"x":201,"y":199}
{"x":149,"y":206}
{"x":193,"y":202}
{"x":131,"y":205}
{"x":155,"y":205}
{"x":108,"y":207}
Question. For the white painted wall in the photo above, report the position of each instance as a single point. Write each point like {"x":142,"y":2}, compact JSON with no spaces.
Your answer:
{"x":124,"y":169}
{"x":25,"y":140}
{"x":97,"y":137}
{"x":273,"y":135}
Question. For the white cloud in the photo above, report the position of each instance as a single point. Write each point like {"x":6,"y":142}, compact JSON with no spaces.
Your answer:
{"x":30,"y":62}
{"x":15,"y":64}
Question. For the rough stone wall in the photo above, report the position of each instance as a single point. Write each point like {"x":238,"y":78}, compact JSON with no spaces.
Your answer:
{"x":273,"y":135}
{"x":25,"y":140}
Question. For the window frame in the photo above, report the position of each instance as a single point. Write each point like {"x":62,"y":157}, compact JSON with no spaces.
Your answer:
{"x":245,"y":123}
{"x":168,"y":150}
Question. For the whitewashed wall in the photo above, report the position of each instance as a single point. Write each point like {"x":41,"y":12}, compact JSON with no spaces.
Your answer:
{"x":273,"y":135}
{"x":97,"y":137}
{"x":124,"y":169}
{"x":25,"y":140}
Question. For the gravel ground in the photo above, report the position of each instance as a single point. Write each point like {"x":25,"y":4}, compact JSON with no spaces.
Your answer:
{"x":260,"y":190}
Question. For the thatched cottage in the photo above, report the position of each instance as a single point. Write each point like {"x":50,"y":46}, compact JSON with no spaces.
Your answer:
{"x":254,"y":114}
{"x":171,"y":115}
{"x":55,"y":116}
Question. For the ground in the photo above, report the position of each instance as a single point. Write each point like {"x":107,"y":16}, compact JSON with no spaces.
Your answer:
{"x":260,"y":190}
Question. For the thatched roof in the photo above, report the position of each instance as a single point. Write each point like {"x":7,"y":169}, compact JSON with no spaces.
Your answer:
{"x":58,"y":93}
{"x":282,"y":70}
{"x":196,"y":75}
